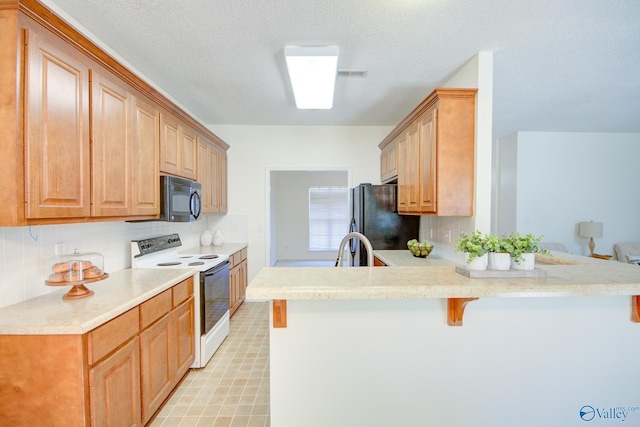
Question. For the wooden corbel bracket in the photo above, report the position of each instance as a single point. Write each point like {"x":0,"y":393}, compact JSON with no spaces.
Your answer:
{"x":455,"y":310}
{"x":279,"y":313}
{"x":635,"y":308}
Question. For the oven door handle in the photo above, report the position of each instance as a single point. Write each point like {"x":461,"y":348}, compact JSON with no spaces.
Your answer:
{"x":216,"y":269}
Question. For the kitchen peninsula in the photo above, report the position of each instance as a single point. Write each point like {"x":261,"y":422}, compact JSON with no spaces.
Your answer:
{"x":374,"y":346}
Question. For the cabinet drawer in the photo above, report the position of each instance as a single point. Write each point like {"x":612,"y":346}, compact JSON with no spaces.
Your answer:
{"x":182,"y":291}
{"x":106,"y":338}
{"x":238,"y":257}
{"x":155,"y":308}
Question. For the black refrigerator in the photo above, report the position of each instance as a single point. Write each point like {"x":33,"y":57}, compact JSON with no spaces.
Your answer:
{"x":374,"y":213}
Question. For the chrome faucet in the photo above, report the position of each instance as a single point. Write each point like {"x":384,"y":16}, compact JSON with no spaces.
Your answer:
{"x":363,"y":239}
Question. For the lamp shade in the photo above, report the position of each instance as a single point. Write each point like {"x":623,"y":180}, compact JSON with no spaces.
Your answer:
{"x":591,"y":229}
{"x":312,"y":71}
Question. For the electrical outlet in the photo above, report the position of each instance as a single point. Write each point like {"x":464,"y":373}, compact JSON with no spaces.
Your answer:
{"x":447,"y":235}
{"x":430,"y":233}
{"x":260,"y":228}
{"x":60,"y":248}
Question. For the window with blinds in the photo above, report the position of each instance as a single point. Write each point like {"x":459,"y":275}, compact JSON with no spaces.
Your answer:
{"x":328,"y":217}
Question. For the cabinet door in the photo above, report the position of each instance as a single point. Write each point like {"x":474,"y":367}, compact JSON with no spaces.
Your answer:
{"x":114,"y":387}
{"x":183,"y":318}
{"x":411,"y":164}
{"x":110,"y":153}
{"x":234,"y":289}
{"x":170,"y":144}
{"x":403,"y":190}
{"x":205,"y":176}
{"x":145,"y":144}
{"x":157,"y":366}
{"x":189,"y":153}
{"x":389,"y":162}
{"x":243,"y":279}
{"x":221,"y":182}
{"x":57,"y":157}
{"x":215,"y":179}
{"x":427,"y":127}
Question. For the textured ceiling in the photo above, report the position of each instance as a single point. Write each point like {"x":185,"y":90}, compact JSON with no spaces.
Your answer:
{"x":570,"y":65}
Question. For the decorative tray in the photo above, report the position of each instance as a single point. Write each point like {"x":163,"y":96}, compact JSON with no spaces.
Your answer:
{"x":536,"y":272}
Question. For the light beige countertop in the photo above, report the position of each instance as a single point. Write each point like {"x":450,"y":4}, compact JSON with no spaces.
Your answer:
{"x":404,"y":258}
{"x":49,"y":314}
{"x":569,"y":275}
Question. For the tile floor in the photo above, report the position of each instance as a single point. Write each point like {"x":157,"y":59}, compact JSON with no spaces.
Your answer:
{"x":233,"y":389}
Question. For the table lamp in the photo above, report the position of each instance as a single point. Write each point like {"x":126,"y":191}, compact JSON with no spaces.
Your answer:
{"x":591,"y":229}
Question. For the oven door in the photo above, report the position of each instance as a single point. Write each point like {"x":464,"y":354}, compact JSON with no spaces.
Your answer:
{"x":214,"y":296}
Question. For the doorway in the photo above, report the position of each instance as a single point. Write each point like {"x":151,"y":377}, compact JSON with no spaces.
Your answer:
{"x":288,"y":211}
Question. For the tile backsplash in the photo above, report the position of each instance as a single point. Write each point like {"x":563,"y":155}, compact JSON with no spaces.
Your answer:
{"x":443,"y":232}
{"x":26,"y":252}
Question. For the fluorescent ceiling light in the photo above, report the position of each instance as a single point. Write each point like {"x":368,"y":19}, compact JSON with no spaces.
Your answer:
{"x":312,"y":71}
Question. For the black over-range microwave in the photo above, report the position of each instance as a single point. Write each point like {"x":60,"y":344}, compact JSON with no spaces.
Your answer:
{"x":179,"y":199}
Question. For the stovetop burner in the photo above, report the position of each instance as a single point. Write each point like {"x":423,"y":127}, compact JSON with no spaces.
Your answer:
{"x":168,"y":264}
{"x":209,"y":257}
{"x":196,"y":263}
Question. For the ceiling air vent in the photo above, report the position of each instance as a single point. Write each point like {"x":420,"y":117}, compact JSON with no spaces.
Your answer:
{"x":352,"y":73}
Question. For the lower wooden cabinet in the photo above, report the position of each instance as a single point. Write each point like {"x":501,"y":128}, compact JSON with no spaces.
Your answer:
{"x":238,"y":279}
{"x":114,"y":386}
{"x":118,"y":374}
{"x":166,"y":352}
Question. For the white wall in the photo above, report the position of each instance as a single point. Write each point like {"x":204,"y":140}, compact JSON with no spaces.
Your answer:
{"x":257,"y":150}
{"x":291,"y":212}
{"x":566,"y":178}
{"x":477,"y":73}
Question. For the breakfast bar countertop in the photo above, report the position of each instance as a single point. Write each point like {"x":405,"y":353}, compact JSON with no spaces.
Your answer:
{"x":566,"y":275}
{"x":49,"y":314}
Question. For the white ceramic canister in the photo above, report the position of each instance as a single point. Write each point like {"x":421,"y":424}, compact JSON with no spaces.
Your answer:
{"x":218,"y":238}
{"x":206,"y":238}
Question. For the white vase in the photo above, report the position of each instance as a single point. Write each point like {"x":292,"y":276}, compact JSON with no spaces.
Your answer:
{"x":206,"y":238}
{"x":499,"y":261}
{"x":478,"y":263}
{"x":528,"y":262}
{"x":218,"y":239}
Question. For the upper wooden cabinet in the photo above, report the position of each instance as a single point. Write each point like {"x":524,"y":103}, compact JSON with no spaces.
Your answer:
{"x":389,"y":162}
{"x":145,"y":136}
{"x":57,"y":141}
{"x":67,"y":160}
{"x":221,"y":183}
{"x":207,"y":168}
{"x":178,"y":148}
{"x":124,"y":151}
{"x":111,"y":151}
{"x":436,"y":158}
{"x":212,"y":174}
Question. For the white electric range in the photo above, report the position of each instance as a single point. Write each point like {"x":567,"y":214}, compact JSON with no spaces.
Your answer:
{"x":211,"y":293}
